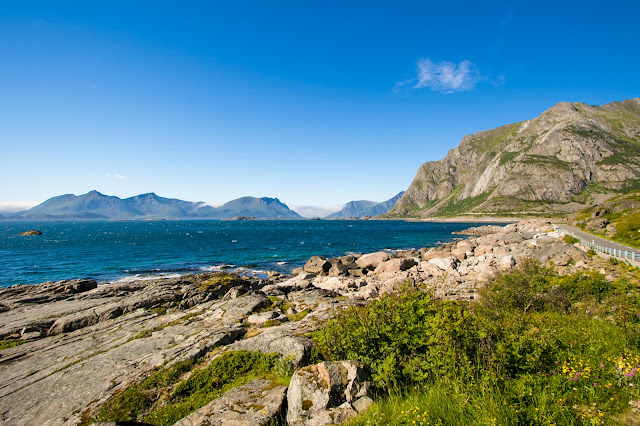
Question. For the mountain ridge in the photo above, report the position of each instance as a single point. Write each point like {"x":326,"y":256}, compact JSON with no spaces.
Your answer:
{"x":97,"y":206}
{"x":571,"y":156}
{"x":362,"y":208}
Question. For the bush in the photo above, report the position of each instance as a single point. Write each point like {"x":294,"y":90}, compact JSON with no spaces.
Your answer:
{"x":405,"y":338}
{"x":570,"y":239}
{"x":141,"y":402}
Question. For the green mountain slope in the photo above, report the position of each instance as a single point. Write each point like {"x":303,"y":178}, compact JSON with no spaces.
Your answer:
{"x":572,"y":156}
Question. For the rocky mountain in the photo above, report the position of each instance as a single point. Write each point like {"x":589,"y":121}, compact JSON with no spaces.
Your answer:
{"x":262,"y":208}
{"x":571,"y":156}
{"x":365,"y":208}
{"x":94,"y":205}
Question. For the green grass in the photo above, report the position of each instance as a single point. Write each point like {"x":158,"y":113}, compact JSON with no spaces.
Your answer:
{"x":165,"y":397}
{"x":537,"y":348}
{"x":10,"y":343}
{"x":570,"y":239}
{"x":454,"y":207}
{"x":220,"y":280}
{"x":506,"y":157}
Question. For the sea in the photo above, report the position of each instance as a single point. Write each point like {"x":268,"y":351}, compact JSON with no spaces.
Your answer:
{"x":134,"y":250}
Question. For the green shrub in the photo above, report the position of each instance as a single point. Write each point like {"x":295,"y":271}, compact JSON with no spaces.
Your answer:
{"x":162,"y":399}
{"x":570,"y":239}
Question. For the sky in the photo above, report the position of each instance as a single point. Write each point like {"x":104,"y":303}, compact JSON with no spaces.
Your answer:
{"x":315,"y":102}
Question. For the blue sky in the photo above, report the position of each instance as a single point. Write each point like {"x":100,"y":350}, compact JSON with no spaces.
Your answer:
{"x":314,"y":102}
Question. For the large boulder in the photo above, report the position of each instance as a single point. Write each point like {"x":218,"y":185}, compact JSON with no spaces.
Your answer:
{"x":445,"y":263}
{"x":317,"y":265}
{"x":259,"y":402}
{"x":338,"y":269}
{"x":279,"y":340}
{"x":394,"y":265}
{"x":327,"y":393}
{"x":372,"y":260}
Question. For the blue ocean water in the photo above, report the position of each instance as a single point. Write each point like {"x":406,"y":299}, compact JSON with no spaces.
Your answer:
{"x":109,"y":251}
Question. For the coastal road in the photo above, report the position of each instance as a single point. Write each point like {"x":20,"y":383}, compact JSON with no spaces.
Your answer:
{"x":603,"y":244}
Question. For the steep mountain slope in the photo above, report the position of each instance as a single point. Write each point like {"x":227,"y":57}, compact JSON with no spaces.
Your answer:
{"x":571,"y":156}
{"x":94,"y":205}
{"x":366,"y":208}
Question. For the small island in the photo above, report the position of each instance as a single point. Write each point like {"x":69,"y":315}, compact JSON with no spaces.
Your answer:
{"x":31,"y":233}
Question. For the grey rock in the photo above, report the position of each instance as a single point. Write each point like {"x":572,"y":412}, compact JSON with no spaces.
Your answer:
{"x":393,"y":265}
{"x":317,"y":265}
{"x":279,"y":340}
{"x":259,"y":402}
{"x":322,"y":393}
{"x":372,"y":260}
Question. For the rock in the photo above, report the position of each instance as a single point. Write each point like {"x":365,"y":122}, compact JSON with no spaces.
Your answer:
{"x":322,"y":394}
{"x":262,"y":317}
{"x":393,"y":265}
{"x":361,"y":404}
{"x":506,"y":262}
{"x":297,"y":283}
{"x":274,"y":274}
{"x":338,"y":269}
{"x":395,"y":284}
{"x":317,"y":265}
{"x":279,"y":340}
{"x":372,"y":260}
{"x":460,"y":253}
{"x":259,"y":402}
{"x":31,"y":233}
{"x":445,"y":263}
{"x":297,"y":271}
{"x":433,"y":254}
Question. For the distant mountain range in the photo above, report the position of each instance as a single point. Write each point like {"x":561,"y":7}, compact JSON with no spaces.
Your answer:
{"x":365,"y":208}
{"x":97,"y":206}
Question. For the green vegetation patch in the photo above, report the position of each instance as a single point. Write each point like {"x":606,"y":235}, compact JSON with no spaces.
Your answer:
{"x":163,"y":398}
{"x":220,"y":280}
{"x":10,"y":343}
{"x":536,"y":348}
{"x":507,"y":157}
{"x":453,"y":207}
{"x":490,"y":139}
{"x":547,"y":161}
{"x":570,"y":239}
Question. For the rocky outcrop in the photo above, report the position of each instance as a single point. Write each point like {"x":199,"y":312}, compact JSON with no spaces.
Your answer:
{"x":326,"y":393}
{"x":259,"y":402}
{"x":30,"y":233}
{"x":572,"y":155}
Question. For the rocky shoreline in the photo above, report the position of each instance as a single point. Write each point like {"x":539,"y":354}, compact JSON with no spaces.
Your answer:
{"x":78,"y":344}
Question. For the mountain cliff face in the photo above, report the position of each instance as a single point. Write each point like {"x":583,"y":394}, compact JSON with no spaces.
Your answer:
{"x":365,"y":208}
{"x":571,"y":156}
{"x":94,"y":205}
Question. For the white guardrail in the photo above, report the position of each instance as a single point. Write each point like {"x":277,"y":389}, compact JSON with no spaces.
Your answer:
{"x":631,"y":256}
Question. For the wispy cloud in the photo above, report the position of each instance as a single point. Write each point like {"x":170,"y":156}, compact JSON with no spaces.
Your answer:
{"x":316,"y":211}
{"x":116,"y":176}
{"x":443,"y":77}
{"x":16,"y":206}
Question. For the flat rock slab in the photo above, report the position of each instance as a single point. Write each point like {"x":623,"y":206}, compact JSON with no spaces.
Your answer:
{"x":257,"y":403}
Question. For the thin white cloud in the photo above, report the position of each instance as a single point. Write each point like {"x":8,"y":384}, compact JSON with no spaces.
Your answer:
{"x":116,"y":176}
{"x":316,"y":211}
{"x":444,"y":77}
{"x":16,"y":206}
